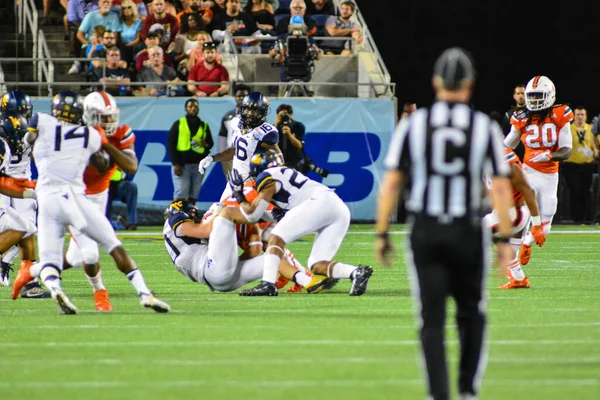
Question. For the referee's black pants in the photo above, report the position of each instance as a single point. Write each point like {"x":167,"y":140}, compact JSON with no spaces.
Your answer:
{"x":449,"y":260}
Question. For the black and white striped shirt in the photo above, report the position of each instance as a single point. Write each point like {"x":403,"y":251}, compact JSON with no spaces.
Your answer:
{"x":444,"y":151}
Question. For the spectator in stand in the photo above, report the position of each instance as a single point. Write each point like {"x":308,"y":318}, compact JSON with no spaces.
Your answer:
{"x":167,"y":21}
{"x":76,"y":11}
{"x":115,"y":77}
{"x":342,"y":26}
{"x":189,"y":142}
{"x":297,"y":7}
{"x":263,"y":13}
{"x":326,"y":7}
{"x":98,"y":53}
{"x":229,"y":124}
{"x":168,"y":8}
{"x":209,"y":71}
{"x":131,"y":35}
{"x":579,"y":168}
{"x":157,"y":71}
{"x":139,"y":5}
{"x":219,"y":7}
{"x":274,"y":4}
{"x":142,"y":58}
{"x":191,"y":26}
{"x":103,"y":17}
{"x":237,"y":23}
{"x":195,"y":56}
{"x":196,"y":6}
{"x":96,"y":43}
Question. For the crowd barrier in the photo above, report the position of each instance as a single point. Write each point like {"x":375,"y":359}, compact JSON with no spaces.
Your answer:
{"x":348,"y":137}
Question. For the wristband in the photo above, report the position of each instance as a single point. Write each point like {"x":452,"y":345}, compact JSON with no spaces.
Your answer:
{"x":537,"y":220}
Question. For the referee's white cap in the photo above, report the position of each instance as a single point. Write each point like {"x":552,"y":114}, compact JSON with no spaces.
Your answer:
{"x":453,"y":68}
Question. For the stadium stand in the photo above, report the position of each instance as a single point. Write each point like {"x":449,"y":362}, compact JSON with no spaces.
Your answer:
{"x":362,"y":74}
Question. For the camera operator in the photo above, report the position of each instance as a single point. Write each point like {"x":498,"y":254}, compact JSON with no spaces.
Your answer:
{"x":291,"y":135}
{"x":296,"y":52}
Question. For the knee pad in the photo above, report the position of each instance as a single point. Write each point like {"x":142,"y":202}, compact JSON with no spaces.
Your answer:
{"x":90,"y":255}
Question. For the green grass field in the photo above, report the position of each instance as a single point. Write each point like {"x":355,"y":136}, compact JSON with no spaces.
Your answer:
{"x":544,"y":342}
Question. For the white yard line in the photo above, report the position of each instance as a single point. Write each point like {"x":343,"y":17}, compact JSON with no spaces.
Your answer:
{"x":279,"y":384}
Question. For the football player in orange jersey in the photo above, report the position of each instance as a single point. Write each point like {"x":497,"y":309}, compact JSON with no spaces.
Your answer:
{"x":525,"y":209}
{"x":100,"y":110}
{"x":545,"y":130}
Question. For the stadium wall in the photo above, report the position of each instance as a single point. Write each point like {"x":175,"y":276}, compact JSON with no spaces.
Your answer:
{"x":346,"y":136}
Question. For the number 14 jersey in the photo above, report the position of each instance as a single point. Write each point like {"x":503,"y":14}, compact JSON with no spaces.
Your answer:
{"x":61,"y":152}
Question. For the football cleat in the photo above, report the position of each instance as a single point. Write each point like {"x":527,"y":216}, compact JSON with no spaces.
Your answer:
{"x":33,"y":290}
{"x":5,"y":269}
{"x":23,"y":278}
{"x":63,"y":302}
{"x":102,"y":301}
{"x":318,"y":284}
{"x":360,"y":279}
{"x":516,"y":284}
{"x":149,"y":301}
{"x":524,"y":254}
{"x":295,"y":288}
{"x":281,"y":282}
{"x":263,"y":289}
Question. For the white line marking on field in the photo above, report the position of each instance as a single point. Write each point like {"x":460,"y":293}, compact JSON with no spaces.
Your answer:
{"x":279,"y":384}
{"x":332,"y":342}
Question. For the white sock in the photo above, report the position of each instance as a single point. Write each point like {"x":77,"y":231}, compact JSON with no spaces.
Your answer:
{"x":341,"y":270}
{"x":10,"y":255}
{"x":51,"y":278}
{"x":35,"y":269}
{"x":289,"y":257}
{"x":515,"y":270}
{"x":96,"y":281}
{"x":137,"y":281}
{"x":301,"y":278}
{"x":271,"y":267}
{"x":528,"y":239}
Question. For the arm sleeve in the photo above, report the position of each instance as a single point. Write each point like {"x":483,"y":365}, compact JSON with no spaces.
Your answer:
{"x":565,"y":139}
{"x":512,"y":139}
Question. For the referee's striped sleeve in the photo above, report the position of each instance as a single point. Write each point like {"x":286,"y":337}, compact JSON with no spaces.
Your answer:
{"x":499,"y":165}
{"x":398,"y":147}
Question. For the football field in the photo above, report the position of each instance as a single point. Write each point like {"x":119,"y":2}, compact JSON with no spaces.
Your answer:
{"x":544,"y":341}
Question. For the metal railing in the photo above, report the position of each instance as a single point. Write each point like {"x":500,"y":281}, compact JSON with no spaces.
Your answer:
{"x":45,"y":66}
{"x":28,"y":18}
{"x":2,"y":80}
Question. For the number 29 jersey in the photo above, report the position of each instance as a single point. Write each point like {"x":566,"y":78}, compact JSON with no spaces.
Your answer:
{"x":291,"y":187}
{"x":61,"y":152}
{"x":247,"y":142}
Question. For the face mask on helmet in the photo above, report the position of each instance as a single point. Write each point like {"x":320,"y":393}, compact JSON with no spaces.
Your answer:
{"x":540,"y":94}
{"x":14,"y":128}
{"x":255,"y":108}
{"x":100,"y":108}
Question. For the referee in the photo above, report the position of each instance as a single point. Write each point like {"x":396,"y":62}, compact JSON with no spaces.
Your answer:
{"x":441,"y":152}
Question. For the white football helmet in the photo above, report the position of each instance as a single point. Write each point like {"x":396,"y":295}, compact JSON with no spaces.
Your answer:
{"x":540,"y":93}
{"x":100,"y":108}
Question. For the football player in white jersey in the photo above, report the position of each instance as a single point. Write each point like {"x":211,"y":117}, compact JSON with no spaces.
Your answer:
{"x":100,"y":109}
{"x":62,"y":149}
{"x":15,"y":227}
{"x":252,"y":135}
{"x":206,"y":251}
{"x":311,"y":208}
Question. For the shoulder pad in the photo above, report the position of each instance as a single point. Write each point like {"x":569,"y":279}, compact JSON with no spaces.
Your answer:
{"x":177,"y":219}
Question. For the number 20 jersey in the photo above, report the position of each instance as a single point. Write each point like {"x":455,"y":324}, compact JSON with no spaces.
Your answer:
{"x":247,"y":142}
{"x":291,"y":187}
{"x":62,"y":152}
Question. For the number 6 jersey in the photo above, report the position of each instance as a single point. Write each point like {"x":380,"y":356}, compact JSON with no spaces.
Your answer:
{"x":61,"y":152}
{"x":247,"y":142}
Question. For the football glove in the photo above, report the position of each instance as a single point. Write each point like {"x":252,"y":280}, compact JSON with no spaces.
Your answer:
{"x":204,"y":163}
{"x":538,"y":234}
{"x":237,"y":185}
{"x":541,"y":157}
{"x":278,"y":213}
